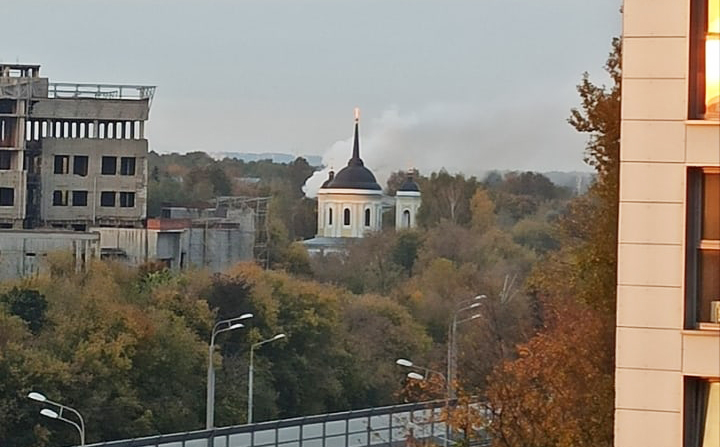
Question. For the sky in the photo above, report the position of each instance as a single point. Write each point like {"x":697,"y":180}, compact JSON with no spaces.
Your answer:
{"x":465,"y":85}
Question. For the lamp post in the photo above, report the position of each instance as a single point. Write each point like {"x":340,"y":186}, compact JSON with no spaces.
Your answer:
{"x":52,"y":414}
{"x":415,"y":376}
{"x":221,"y":326}
{"x":452,"y":338}
{"x":251,"y":371}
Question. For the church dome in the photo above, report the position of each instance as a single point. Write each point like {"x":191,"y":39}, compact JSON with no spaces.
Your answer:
{"x":355,"y":175}
{"x":409,"y":185}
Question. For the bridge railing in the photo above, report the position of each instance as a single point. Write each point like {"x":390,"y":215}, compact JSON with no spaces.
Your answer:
{"x":392,"y":426}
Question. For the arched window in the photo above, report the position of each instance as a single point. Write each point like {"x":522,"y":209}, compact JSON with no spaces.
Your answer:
{"x":346,"y":216}
{"x":367,"y":217}
{"x":329,"y":216}
{"x":406,"y":219}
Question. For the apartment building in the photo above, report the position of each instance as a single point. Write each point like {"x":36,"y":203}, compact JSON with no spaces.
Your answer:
{"x":71,"y":155}
{"x":668,"y":335}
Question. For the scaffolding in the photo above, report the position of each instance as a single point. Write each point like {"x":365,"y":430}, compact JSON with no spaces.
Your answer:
{"x":259,"y":206}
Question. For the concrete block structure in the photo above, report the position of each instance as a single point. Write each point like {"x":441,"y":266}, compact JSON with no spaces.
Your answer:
{"x":668,"y":310}
{"x":24,"y":252}
{"x":213,"y":238}
{"x":71,"y":155}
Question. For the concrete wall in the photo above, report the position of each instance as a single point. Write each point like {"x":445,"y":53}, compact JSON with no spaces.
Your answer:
{"x":218,"y":249}
{"x":658,"y":145}
{"x":23,"y":253}
{"x":94,"y":182}
{"x":92,"y":109}
{"x":213,"y":248}
{"x":138,"y":244}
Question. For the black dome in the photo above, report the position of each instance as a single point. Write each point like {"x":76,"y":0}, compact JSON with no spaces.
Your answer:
{"x":355,"y":175}
{"x":409,"y":185}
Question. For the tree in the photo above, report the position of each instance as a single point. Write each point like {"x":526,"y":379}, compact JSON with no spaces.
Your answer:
{"x":543,"y":398}
{"x":406,"y":248}
{"x":558,"y":391}
{"x":446,"y":196}
{"x":28,"y":304}
{"x":483,"y":211}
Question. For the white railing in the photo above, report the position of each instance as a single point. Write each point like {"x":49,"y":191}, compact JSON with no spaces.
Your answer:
{"x":110,"y":91}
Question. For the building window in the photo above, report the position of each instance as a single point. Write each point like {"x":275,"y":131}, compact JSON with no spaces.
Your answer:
{"x":702,"y":412}
{"x":704,"y":80}
{"x":346,"y":217}
{"x":5,"y":160}
{"x":80,"y":165}
{"x":107,"y":198}
{"x":406,"y":219}
{"x":703,"y":245}
{"x":7,"y":196}
{"x":127,"y":166}
{"x":79,"y":198}
{"x":329,"y":216}
{"x":60,"y":198}
{"x":62,"y":164}
{"x":367,"y":217}
{"x":127,"y":199}
{"x":109,"y":166}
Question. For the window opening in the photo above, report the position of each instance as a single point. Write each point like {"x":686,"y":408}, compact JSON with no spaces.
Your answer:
{"x":109,"y":166}
{"x":127,"y":199}
{"x":60,"y":198}
{"x":127,"y":166}
{"x":5,"y":160}
{"x":61,"y":164}
{"x":703,"y":256}
{"x":704,"y":79}
{"x":346,"y":216}
{"x":79,"y":198}
{"x":107,"y":198}
{"x":80,"y":165}
{"x":7,"y":196}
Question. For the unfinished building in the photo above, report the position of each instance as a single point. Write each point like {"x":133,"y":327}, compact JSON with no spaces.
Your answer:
{"x":72,"y":156}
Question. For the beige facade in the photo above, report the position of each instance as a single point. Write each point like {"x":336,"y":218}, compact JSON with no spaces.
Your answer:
{"x":668,"y":342}
{"x":348,"y":212}
{"x":71,"y":155}
{"x":407,"y":205}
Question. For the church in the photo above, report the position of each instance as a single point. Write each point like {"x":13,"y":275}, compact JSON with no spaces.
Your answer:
{"x":351,"y":204}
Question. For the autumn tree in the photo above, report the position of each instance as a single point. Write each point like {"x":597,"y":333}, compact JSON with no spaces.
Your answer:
{"x":446,"y":196}
{"x":560,"y":391}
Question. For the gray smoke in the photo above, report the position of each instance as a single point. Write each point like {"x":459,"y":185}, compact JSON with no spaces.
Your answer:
{"x":460,"y":139}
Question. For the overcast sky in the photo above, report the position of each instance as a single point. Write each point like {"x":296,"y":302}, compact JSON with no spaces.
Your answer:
{"x":468,"y":85}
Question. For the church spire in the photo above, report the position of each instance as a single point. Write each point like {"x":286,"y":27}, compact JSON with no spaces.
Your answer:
{"x":356,"y":160}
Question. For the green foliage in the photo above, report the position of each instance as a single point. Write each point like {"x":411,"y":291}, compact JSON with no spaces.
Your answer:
{"x":30,"y":305}
{"x":406,"y":248}
{"x":536,"y":235}
{"x":447,"y":197}
{"x":105,"y":349}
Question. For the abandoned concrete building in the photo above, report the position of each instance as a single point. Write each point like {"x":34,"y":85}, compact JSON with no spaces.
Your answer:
{"x":73,"y":177}
{"x":71,"y":155}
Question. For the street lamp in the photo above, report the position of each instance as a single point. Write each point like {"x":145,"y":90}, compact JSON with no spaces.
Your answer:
{"x":415,"y":376}
{"x":52,"y":414}
{"x":221,"y":326}
{"x":251,"y":371}
{"x":464,"y":306}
